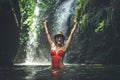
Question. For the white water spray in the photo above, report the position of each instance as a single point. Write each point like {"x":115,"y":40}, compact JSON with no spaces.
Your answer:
{"x":32,"y":43}
{"x":61,"y":16}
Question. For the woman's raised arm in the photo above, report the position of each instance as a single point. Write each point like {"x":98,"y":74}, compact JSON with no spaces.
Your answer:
{"x":71,"y":34}
{"x":47,"y":33}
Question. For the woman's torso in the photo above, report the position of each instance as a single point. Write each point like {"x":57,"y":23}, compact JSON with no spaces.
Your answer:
{"x":57,"y":54}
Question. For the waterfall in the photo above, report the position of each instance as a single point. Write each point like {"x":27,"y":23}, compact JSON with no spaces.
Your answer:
{"x":35,"y":54}
{"x":32,"y":42}
{"x":61,"y":16}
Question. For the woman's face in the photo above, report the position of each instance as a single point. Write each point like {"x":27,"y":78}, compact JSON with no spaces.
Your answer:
{"x":59,"y":39}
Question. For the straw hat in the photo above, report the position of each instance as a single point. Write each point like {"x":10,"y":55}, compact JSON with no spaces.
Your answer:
{"x":59,"y":34}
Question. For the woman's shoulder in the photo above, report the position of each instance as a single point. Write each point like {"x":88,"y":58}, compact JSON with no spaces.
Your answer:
{"x":52,"y":46}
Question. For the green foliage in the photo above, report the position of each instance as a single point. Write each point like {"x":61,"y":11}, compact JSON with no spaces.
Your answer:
{"x":27,"y":10}
{"x":82,"y":21}
{"x":100,"y":26}
{"x":47,"y":3}
{"x":78,"y":8}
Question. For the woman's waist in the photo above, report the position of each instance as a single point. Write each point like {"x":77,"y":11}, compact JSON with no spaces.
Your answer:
{"x":55,"y":56}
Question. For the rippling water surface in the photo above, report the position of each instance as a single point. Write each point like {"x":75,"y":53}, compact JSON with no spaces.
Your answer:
{"x":72,"y":72}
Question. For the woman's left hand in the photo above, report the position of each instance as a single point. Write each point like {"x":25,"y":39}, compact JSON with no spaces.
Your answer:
{"x":75,"y":21}
{"x":45,"y":21}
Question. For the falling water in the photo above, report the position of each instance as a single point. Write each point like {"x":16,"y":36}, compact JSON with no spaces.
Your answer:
{"x":32,"y":43}
{"x":61,"y":16}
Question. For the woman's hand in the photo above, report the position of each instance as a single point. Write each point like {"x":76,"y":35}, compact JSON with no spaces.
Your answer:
{"x":45,"y":21}
{"x":75,"y":21}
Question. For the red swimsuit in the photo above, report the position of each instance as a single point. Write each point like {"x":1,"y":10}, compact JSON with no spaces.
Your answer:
{"x":56,"y":58}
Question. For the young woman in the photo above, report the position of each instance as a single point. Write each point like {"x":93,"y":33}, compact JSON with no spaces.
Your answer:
{"x":58,"y":49}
